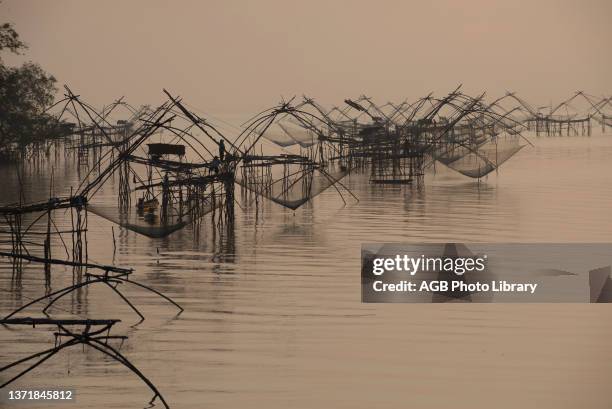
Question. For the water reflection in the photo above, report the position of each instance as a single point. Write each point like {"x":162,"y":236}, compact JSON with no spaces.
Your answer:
{"x":273,"y":315}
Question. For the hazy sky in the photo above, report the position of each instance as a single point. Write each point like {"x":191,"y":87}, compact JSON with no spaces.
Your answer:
{"x":238,"y":57}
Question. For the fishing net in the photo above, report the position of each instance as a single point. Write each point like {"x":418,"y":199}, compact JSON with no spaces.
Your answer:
{"x":481,"y":158}
{"x":286,"y":135}
{"x":150,"y":224}
{"x":449,"y":151}
{"x":289,"y":184}
{"x":295,"y":167}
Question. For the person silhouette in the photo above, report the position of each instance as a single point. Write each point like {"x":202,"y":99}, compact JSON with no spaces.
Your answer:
{"x":214,"y":166}
{"x":221,"y":149}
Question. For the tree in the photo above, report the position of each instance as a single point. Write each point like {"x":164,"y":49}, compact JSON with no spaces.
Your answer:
{"x":25,"y":93}
{"x":9,"y":39}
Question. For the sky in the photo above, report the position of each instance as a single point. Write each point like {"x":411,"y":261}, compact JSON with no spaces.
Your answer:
{"x":239,"y":57}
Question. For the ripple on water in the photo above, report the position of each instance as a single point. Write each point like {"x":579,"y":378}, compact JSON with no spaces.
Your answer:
{"x":273,"y":315}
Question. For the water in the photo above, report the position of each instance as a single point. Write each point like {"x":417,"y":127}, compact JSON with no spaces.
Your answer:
{"x":273,"y":315}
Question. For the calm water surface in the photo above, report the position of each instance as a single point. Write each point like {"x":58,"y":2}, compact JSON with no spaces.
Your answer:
{"x":273,"y":314}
